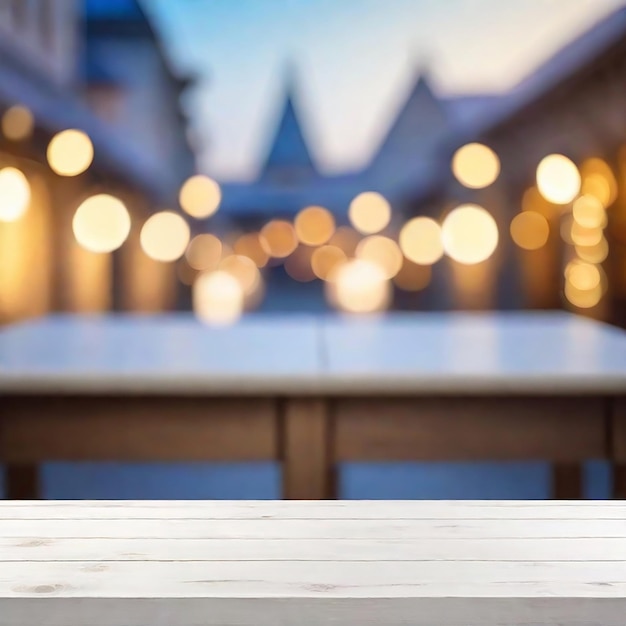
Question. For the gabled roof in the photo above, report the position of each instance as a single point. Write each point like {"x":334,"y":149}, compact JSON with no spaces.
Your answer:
{"x":289,"y":149}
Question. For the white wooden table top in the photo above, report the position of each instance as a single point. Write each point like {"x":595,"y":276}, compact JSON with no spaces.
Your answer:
{"x":159,"y":354}
{"x":421,"y":353}
{"x":312,"y":564}
{"x":525,"y":352}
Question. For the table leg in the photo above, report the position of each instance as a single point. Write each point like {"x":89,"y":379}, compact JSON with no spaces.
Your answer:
{"x":308,"y":472}
{"x":567,"y":481}
{"x":619,"y":482}
{"x":22,"y":482}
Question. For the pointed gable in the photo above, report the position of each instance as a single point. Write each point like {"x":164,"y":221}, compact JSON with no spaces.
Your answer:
{"x":419,"y":124}
{"x":289,"y":158}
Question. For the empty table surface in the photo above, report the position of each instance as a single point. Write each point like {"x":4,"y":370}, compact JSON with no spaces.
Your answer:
{"x":159,"y":354}
{"x":412,"y":353}
{"x":354,"y":563}
{"x":525,"y":352}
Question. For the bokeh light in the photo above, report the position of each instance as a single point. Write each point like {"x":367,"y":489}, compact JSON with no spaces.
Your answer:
{"x":369,"y":212}
{"x":326,"y":259}
{"x":585,"y":236}
{"x":420,"y":241}
{"x":200,"y":196}
{"x":204,"y":252}
{"x":299,"y":265}
{"x":413,"y":276}
{"x":346,"y":239}
{"x":18,"y":123}
{"x":165,"y":236}
{"x":476,"y":166}
{"x":597,"y":253}
{"x":582,"y":275}
{"x":314,"y":225}
{"x":469,"y":234}
{"x":70,"y":153}
{"x":382,"y":251}
{"x":101,"y":223}
{"x":359,"y":286}
{"x":599,"y":181}
{"x":218,"y":298}
{"x":15,"y":194}
{"x":530,"y":230}
{"x":250,"y":245}
{"x":589,"y":212}
{"x":278,"y":239}
{"x":532,"y":200}
{"x":558,"y":179}
{"x":244,"y":270}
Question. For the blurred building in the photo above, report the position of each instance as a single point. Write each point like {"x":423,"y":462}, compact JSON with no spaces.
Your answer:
{"x":575,"y":105}
{"x":68,"y":64}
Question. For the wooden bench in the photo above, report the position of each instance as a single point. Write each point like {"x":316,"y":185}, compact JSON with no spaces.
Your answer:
{"x":314,"y":393}
{"x":312,"y":564}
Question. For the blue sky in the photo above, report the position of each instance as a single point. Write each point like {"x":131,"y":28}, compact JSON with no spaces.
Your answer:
{"x":355,"y":61}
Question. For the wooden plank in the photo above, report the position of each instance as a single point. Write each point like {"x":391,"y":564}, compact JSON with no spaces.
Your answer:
{"x":284,"y":509}
{"x":585,"y":549}
{"x":308,"y":473}
{"x":172,"y":579}
{"x":85,"y":428}
{"x":313,"y":529}
{"x":479,"y":605}
{"x":434,"y":429}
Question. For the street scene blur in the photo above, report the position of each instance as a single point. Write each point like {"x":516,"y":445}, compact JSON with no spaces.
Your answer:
{"x":230,"y":160}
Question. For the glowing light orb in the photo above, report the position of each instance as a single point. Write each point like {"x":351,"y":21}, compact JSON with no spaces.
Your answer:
{"x":101,"y":223}
{"x":558,"y":179}
{"x":314,"y":225}
{"x":200,"y":196}
{"x":530,"y":230}
{"x":218,"y":298}
{"x":18,"y":123}
{"x":382,"y":251}
{"x":165,"y":236}
{"x":420,"y":241}
{"x":369,"y":213}
{"x":278,"y":239}
{"x":70,"y":153}
{"x":359,"y":286}
{"x":469,"y":234}
{"x":15,"y":194}
{"x":476,"y":166}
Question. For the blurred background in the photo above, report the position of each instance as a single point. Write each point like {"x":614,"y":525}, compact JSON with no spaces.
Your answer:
{"x":234,"y":157}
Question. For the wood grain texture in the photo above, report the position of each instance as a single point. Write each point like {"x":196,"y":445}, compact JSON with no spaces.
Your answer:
{"x":315,"y":510}
{"x":308,"y":472}
{"x":471,"y":428}
{"x":312,"y":564}
{"x":228,"y":530}
{"x":85,"y":428}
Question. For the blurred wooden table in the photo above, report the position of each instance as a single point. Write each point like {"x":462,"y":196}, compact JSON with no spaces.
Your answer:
{"x":314,"y":393}
{"x":312,"y":563}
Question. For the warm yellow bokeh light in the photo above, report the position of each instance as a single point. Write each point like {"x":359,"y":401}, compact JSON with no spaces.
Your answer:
{"x":382,"y":251}
{"x":420,"y":241}
{"x":589,"y":212}
{"x":582,"y":275}
{"x":314,"y":225}
{"x":583,"y":299}
{"x":204,"y":252}
{"x":101,"y":223}
{"x":70,"y":153}
{"x":413,"y":276}
{"x":165,"y":236}
{"x":346,"y":239}
{"x":469,"y":234}
{"x":532,"y":200}
{"x":244,"y":270}
{"x":369,"y":213}
{"x":585,"y":236}
{"x":18,"y":123}
{"x":299,"y":265}
{"x":476,"y":166}
{"x":594,"y":254}
{"x":359,"y":286}
{"x":218,"y":298}
{"x":15,"y":194}
{"x":326,"y":259}
{"x":250,"y":245}
{"x":558,"y":179}
{"x":599,"y":181}
{"x":278,"y":238}
{"x":200,"y":196}
{"x":530,"y":230}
